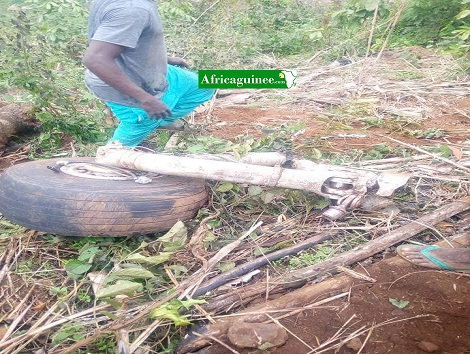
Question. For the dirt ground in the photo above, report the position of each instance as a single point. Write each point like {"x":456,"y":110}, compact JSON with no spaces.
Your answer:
{"x":314,"y":112}
{"x":437,"y":318}
{"x":238,"y":120}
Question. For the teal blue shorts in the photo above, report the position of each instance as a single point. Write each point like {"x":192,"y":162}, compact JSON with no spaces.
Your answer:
{"x":182,"y":97}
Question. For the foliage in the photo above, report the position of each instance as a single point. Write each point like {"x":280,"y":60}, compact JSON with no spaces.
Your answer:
{"x":41,"y":44}
{"x":307,"y":257}
{"x":441,"y":23}
{"x":7,"y":229}
{"x":254,"y":29}
{"x":357,"y":12}
{"x":445,"y":23}
{"x":171,"y":311}
{"x":71,"y":332}
{"x":401,"y":304}
{"x":136,"y":268}
{"x":128,"y":266}
{"x":430,"y":133}
{"x":281,"y":27}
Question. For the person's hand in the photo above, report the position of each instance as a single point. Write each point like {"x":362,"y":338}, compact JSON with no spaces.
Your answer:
{"x":178,"y":62}
{"x":155,"y":108}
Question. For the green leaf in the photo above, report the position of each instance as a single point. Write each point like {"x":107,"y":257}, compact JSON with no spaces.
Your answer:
{"x":109,"y":314}
{"x":76,"y":268}
{"x":267,"y":197}
{"x":177,"y":319}
{"x":224,"y":187}
{"x":178,"y":269}
{"x":191,"y":302}
{"x":135,"y":273}
{"x":88,"y":253}
{"x":401,"y":304}
{"x":196,"y":149}
{"x":122,"y":287}
{"x":258,"y":251}
{"x":265,"y":346}
{"x":321,"y":203}
{"x":445,"y":151}
{"x":170,"y":311}
{"x":61,"y":336}
{"x":226,"y":266}
{"x":114,"y":303}
{"x":175,"y":239}
{"x":158,"y":259}
{"x":370,"y":5}
{"x":8,"y":98}
{"x":209,"y":237}
{"x":9,"y":224}
{"x":68,"y":330}
{"x":254,"y":190}
{"x":463,"y":14}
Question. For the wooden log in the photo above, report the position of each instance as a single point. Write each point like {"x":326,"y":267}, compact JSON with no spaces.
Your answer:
{"x":299,"y":277}
{"x":13,"y":119}
{"x":242,"y":269}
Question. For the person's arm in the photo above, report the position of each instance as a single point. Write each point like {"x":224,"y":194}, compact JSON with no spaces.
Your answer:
{"x":99,"y":59}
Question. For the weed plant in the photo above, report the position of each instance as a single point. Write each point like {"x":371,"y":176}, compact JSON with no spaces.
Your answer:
{"x":41,"y":49}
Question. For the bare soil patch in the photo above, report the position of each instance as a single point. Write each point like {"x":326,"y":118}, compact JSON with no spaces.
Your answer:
{"x":437,"y":313}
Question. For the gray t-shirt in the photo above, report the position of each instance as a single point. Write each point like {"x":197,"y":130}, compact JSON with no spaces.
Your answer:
{"x":135,"y":25}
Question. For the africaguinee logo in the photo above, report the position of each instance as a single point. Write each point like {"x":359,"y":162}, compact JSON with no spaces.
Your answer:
{"x":230,"y":79}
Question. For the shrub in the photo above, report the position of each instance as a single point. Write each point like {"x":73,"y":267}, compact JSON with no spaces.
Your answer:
{"x":41,"y":44}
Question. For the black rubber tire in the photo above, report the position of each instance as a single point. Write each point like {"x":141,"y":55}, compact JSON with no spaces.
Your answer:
{"x":33,"y":196}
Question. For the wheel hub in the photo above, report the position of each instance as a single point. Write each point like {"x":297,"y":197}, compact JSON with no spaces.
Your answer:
{"x":100,"y":171}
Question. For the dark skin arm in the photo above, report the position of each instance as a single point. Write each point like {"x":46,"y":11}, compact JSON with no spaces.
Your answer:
{"x":99,"y":59}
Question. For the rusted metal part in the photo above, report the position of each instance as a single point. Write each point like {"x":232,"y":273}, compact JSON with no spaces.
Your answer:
{"x":345,"y":204}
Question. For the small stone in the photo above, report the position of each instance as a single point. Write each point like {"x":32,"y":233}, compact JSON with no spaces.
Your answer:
{"x":254,"y":335}
{"x":354,"y":344}
{"x":428,"y":347}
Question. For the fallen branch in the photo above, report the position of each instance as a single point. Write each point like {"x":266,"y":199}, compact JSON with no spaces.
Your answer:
{"x":190,"y":284}
{"x":301,"y":276}
{"x":258,"y":262}
{"x":459,"y":166}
